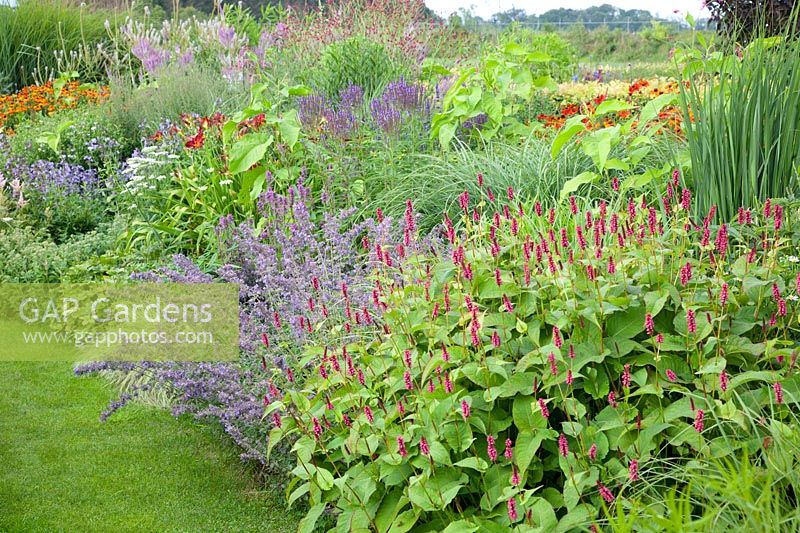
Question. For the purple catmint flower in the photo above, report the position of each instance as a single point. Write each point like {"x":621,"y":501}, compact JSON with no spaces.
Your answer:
{"x":351,"y":97}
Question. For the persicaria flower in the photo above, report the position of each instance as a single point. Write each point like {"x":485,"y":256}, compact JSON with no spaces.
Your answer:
{"x":573,"y":205}
{"x":276,"y":419}
{"x":686,"y":273}
{"x":781,"y":307}
{"x":606,"y":494}
{"x":776,"y":292}
{"x":691,"y":322}
{"x":510,"y":193}
{"x":767,"y":208}
{"x":723,"y":381}
{"x":649,"y":325}
{"x":495,"y":340}
{"x":509,"y":449}
{"x":778,"y":213}
{"x":322,"y":372}
{"x":423,"y":446}
{"x":698,"y":421}
{"x":615,"y":183}
{"x":543,"y":408}
{"x":445,"y":354}
{"x":612,"y":399}
{"x":448,"y":385}
{"x":563,"y":445}
{"x":660,"y":338}
{"x":721,"y":243}
{"x":507,"y":304}
{"x":407,"y":379}
{"x":464,"y":409}
{"x":368,"y":413}
{"x":401,"y":408}
{"x":633,"y":470}
{"x":626,"y":376}
{"x":553,"y":367}
{"x":491,"y":451}
{"x":317,"y":427}
{"x":723,"y":295}
{"x":593,"y":452}
{"x":612,"y":267}
{"x":512,"y":510}
{"x":778,"y":388}
{"x":407,"y":358}
{"x":497,"y":278}
{"x":514,"y":475}
{"x":557,"y":337}
{"x":569,"y":377}
{"x":686,"y":199}
{"x":671,"y":375}
{"x":401,"y":446}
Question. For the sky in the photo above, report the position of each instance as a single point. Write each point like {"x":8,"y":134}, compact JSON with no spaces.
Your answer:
{"x":486,"y":8}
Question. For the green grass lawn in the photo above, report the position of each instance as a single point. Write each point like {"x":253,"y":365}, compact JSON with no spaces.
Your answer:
{"x":61,"y":469}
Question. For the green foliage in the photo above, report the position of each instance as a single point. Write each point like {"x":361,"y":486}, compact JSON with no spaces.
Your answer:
{"x":434,"y":181}
{"x":563,"y":56}
{"x":613,"y":343}
{"x":743,"y":141}
{"x":504,"y":82}
{"x":354,"y":61}
{"x":38,"y":38}
{"x":89,"y":136}
{"x":30,"y":256}
{"x":178,"y":194}
{"x":193,"y":89}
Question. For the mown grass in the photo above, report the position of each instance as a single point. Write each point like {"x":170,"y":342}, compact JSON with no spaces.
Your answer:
{"x":142,"y":470}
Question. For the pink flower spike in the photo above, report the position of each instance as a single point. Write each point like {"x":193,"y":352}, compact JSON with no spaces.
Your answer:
{"x":464,"y":409}
{"x":563,"y":445}
{"x":723,"y":381}
{"x":514,"y":475}
{"x":423,"y":446}
{"x":778,"y":390}
{"x":512,"y":510}
{"x":543,"y":408}
{"x":671,"y":375}
{"x":698,"y":420}
{"x":612,"y":399}
{"x":633,"y":470}
{"x":509,"y":449}
{"x":491,"y":451}
{"x":401,"y":446}
{"x":593,"y":452}
{"x":606,"y":494}
{"x":557,"y":337}
{"x":649,"y":325}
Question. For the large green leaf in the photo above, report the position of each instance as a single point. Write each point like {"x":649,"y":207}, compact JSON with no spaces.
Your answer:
{"x":571,"y":128}
{"x":248,"y":151}
{"x":572,"y":184}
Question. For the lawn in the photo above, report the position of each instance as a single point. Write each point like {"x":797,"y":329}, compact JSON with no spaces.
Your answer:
{"x":143,"y":470}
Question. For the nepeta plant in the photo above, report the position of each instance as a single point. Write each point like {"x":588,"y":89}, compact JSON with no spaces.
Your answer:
{"x":527,"y":380}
